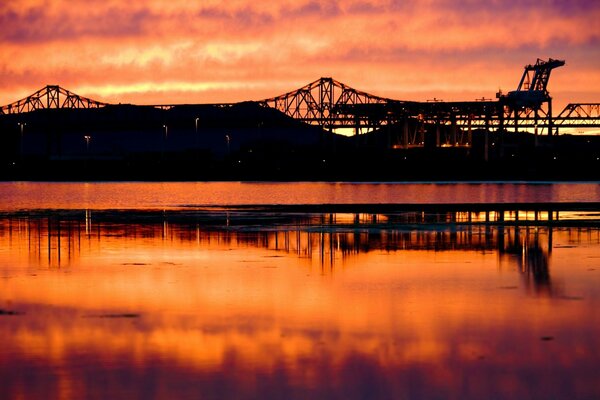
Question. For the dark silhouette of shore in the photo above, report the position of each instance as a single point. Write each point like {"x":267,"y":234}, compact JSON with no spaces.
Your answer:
{"x":247,"y":141}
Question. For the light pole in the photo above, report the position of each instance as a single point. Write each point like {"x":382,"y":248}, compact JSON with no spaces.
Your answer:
{"x":162,"y":153}
{"x":22,"y":126}
{"x":197,"y":141}
{"x":87,"y":139}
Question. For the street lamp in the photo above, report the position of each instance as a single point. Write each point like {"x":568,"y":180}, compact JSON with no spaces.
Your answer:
{"x":87,"y":139}
{"x":22,"y":126}
{"x":164,"y":142}
{"x":197,"y":140}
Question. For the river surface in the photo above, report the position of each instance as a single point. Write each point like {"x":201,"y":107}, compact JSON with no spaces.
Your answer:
{"x":161,"y":195}
{"x":180,"y":290}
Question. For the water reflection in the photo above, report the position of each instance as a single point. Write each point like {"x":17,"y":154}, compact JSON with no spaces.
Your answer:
{"x":271,"y":304}
{"x":522,"y":238}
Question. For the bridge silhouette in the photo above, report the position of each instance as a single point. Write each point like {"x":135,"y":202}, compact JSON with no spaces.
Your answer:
{"x":332,"y":105}
{"x":50,"y":97}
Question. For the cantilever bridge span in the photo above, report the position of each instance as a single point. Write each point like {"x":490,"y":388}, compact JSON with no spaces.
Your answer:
{"x":49,"y":97}
{"x":332,"y":105}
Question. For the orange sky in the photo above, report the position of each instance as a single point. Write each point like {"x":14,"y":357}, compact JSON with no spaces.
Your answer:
{"x":181,"y":51}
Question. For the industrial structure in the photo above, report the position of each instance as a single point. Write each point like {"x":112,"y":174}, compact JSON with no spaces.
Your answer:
{"x":305,"y":121}
{"x":332,"y":104}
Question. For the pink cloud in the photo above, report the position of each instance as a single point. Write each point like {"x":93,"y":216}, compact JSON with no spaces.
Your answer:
{"x":395,"y":48}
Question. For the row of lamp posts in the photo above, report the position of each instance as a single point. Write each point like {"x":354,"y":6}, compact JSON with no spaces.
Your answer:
{"x":88,"y":138}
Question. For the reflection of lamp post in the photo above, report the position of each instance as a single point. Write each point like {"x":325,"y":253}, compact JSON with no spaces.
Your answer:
{"x":166,"y":131}
{"x":227,"y":140}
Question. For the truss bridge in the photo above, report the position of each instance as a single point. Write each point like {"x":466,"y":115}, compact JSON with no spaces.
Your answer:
{"x":334,"y":106}
{"x":50,"y":97}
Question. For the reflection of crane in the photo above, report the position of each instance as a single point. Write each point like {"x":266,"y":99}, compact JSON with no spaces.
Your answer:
{"x":532,"y":258}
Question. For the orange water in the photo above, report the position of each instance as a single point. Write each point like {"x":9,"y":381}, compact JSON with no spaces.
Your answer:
{"x":141,"y":305}
{"x":165,"y":195}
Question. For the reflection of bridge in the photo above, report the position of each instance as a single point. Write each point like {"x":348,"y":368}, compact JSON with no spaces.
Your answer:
{"x":523,"y":238}
{"x":332,"y":104}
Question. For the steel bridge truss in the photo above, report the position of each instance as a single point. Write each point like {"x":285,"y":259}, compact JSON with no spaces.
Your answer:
{"x":50,"y":97}
{"x":320,"y":102}
{"x":334,"y":105}
{"x":454,"y":122}
{"x":579,"y":115}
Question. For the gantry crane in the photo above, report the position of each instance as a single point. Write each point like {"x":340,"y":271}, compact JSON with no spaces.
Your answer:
{"x":531,"y":100}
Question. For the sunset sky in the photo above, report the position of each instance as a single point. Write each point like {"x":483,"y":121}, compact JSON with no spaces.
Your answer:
{"x":182,"y":51}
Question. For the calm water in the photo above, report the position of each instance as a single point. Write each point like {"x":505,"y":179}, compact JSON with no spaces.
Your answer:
{"x":127,"y":290}
{"x":127,"y":195}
